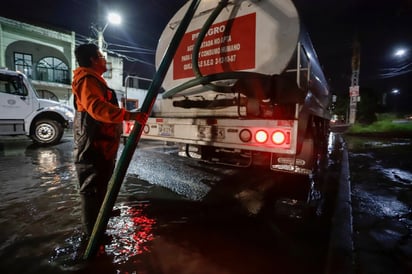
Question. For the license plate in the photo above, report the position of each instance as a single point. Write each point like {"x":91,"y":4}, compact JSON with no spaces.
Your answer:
{"x":166,"y":130}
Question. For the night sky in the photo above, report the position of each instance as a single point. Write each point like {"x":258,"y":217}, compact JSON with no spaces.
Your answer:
{"x":379,"y":26}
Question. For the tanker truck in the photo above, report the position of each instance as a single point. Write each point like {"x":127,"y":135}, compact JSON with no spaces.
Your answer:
{"x":245,"y":88}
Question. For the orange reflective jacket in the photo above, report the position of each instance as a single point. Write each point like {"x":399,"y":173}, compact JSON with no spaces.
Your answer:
{"x":97,"y":124}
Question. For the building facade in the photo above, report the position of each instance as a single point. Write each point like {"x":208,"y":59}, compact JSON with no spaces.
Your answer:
{"x":46,"y":56}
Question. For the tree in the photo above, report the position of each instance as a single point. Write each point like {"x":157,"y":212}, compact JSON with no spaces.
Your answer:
{"x":368,"y":106}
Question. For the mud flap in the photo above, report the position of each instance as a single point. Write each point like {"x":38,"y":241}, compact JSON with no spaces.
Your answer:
{"x":302,"y":163}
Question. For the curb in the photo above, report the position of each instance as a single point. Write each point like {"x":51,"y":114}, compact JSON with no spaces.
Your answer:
{"x":340,"y":257}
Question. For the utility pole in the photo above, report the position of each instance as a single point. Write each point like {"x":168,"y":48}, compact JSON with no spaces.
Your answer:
{"x":100,"y":39}
{"x":354,"y":88}
{"x":112,"y":18}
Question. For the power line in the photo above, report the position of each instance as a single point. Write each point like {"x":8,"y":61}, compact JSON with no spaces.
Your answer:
{"x":123,"y":53}
{"x":396,"y":71}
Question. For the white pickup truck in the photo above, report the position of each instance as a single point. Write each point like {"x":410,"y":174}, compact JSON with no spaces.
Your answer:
{"x":22,"y":112}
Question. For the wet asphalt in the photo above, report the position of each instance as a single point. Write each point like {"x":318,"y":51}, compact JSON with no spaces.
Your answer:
{"x":381,"y":195}
{"x":176,"y":216}
{"x":373,"y":229}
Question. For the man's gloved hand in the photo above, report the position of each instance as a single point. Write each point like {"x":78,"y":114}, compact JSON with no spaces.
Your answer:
{"x":140,"y":117}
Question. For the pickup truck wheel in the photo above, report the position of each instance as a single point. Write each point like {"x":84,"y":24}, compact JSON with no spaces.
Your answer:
{"x":47,"y":132}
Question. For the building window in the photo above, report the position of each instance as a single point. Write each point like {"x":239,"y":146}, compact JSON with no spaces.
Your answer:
{"x":47,"y":94}
{"x":23,"y":62}
{"x":130,"y":104}
{"x":52,"y":69}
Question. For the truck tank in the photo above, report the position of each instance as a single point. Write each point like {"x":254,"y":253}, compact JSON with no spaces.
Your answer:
{"x":244,"y":58}
{"x":245,"y":89}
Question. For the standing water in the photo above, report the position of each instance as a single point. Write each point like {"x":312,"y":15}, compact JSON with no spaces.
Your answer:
{"x":176,"y":216}
{"x":381,"y":178}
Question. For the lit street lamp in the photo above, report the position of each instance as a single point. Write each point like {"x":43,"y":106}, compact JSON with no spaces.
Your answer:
{"x":400,"y":52}
{"x":398,"y":63}
{"x":394,"y":91}
{"x":112,"y":18}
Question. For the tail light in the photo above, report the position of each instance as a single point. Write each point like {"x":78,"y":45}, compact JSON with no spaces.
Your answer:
{"x":245,"y":135}
{"x":261,"y":136}
{"x":128,"y":127}
{"x":278,"y":137}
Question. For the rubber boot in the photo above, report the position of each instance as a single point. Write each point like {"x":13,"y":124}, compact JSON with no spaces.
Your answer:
{"x":90,"y":209}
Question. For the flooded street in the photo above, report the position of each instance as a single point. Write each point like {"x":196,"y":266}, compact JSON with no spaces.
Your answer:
{"x":381,"y":178}
{"x":176,"y":216}
{"x":39,"y":208}
{"x":180,"y":216}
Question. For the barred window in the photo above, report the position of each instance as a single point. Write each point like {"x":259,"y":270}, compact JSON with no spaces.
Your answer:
{"x":23,"y":62}
{"x":52,"y":69}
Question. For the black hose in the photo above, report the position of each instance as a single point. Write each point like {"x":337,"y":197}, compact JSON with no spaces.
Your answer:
{"x":204,"y":80}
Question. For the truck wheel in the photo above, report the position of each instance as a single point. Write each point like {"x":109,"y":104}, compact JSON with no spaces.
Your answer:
{"x":47,"y":132}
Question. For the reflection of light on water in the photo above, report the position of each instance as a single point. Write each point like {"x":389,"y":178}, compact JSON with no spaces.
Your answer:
{"x":355,"y":143}
{"x":386,"y":143}
{"x":47,"y":160}
{"x":379,"y":205}
{"x":48,"y":163}
{"x":397,"y":175}
{"x":331,"y":142}
{"x":132,"y":232}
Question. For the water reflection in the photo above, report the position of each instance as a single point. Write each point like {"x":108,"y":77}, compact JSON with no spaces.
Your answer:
{"x":132,"y":233}
{"x":398,"y":175}
{"x":374,"y":204}
{"x":356,"y":143}
{"x":381,"y":177}
{"x":157,"y":231}
{"x":38,"y":209}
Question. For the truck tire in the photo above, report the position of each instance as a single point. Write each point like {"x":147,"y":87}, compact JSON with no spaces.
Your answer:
{"x":47,"y":132}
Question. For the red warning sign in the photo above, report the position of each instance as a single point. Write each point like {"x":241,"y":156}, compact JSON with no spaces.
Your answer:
{"x":227,"y":46}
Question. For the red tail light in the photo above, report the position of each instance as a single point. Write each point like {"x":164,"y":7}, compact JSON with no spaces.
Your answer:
{"x":261,"y":136}
{"x":278,"y":137}
{"x":128,"y":127}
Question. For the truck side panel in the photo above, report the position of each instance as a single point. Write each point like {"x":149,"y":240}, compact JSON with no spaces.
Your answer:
{"x":22,"y":112}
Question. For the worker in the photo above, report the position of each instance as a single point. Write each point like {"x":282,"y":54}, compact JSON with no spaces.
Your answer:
{"x":97,"y":130}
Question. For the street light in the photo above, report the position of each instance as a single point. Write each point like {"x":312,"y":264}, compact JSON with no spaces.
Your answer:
{"x":394,"y":92}
{"x":400,"y":52}
{"x":398,"y":62}
{"x":112,"y":18}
